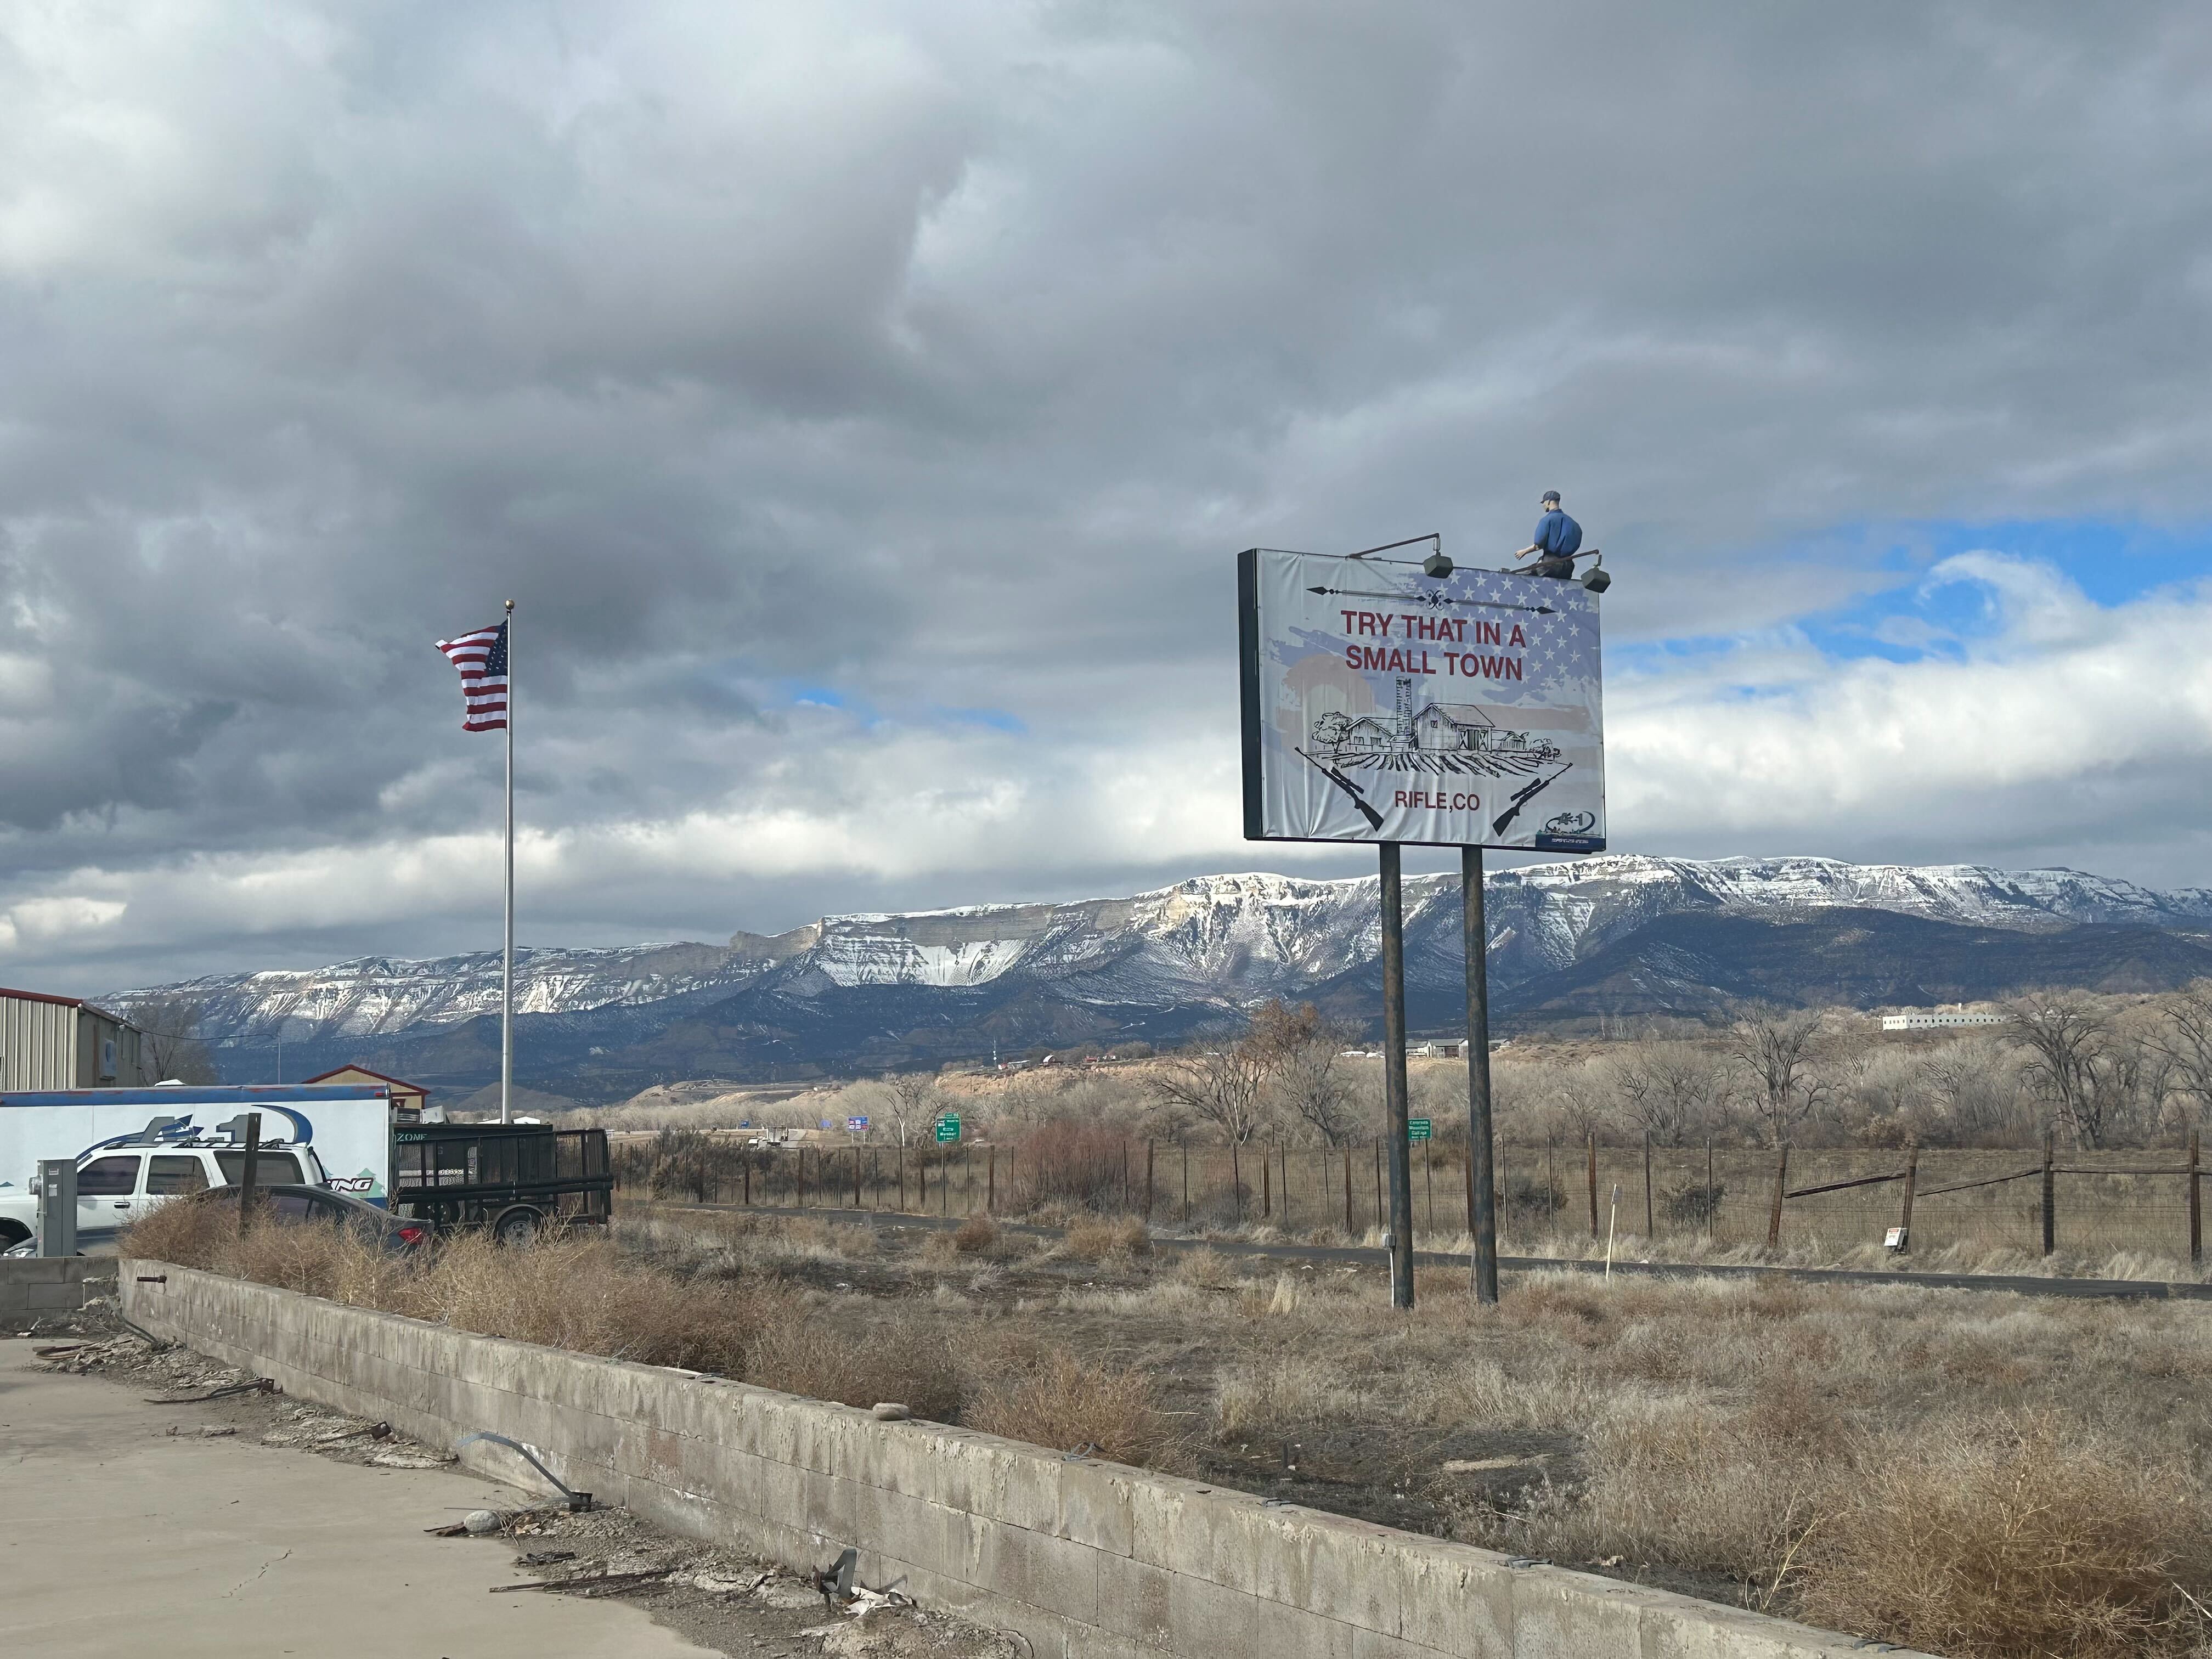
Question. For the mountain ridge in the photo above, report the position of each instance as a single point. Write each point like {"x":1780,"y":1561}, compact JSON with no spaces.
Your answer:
{"x":880,"y":988}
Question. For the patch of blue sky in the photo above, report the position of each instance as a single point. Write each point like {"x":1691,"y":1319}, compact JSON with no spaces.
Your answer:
{"x":802,"y":694}
{"x":807,"y":694}
{"x":998,"y":720}
{"x":1909,"y":618}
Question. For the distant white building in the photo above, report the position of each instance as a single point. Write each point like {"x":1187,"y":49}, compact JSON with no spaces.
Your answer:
{"x":1930,"y":1019}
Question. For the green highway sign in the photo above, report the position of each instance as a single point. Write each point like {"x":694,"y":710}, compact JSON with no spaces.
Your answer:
{"x":1417,"y":1129}
{"x":948,"y":1126}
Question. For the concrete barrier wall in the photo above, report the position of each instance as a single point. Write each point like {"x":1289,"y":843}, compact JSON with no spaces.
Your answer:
{"x":1085,"y":1559}
{"x":40,"y":1287}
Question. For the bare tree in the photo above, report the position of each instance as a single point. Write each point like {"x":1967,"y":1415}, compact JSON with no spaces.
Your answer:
{"x":169,"y":1046}
{"x":2071,"y":1060}
{"x":1220,"y":1079}
{"x":2185,"y":1038}
{"x":1302,"y":1051}
{"x":1778,"y":1048}
{"x":1671,"y":1090}
{"x":914,"y":1100}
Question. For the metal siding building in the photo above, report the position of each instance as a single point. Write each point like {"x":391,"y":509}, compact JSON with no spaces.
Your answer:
{"x":63,"y":1042}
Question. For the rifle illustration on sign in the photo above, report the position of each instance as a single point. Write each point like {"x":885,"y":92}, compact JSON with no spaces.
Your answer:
{"x":1520,"y":797}
{"x":1358,"y":796}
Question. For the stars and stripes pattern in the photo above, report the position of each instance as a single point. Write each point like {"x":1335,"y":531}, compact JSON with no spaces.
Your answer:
{"x":481,"y":659}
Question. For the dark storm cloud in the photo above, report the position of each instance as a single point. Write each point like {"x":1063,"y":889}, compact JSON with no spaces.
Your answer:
{"x":810,"y":373}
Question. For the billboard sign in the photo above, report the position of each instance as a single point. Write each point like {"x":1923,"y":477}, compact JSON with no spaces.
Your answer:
{"x":1381,"y":703}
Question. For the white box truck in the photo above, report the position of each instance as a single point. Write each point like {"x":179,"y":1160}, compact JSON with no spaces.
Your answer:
{"x":136,"y":1148}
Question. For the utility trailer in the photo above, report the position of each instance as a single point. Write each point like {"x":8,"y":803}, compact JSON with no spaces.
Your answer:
{"x":509,"y":1179}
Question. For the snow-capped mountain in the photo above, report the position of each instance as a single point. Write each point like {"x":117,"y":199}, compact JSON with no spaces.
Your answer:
{"x":890,"y":989}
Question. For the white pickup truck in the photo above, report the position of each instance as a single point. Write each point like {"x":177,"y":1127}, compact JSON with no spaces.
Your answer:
{"x":116,"y":1185}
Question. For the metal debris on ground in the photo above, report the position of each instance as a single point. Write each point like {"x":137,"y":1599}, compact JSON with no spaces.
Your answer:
{"x":258,"y":1385}
{"x":835,"y":1580}
{"x":579,"y":1503}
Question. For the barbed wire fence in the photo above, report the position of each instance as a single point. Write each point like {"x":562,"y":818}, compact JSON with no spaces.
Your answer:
{"x":1552,"y":1198}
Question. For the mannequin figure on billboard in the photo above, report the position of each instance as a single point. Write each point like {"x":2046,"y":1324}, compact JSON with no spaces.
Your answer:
{"x":1559,"y":538}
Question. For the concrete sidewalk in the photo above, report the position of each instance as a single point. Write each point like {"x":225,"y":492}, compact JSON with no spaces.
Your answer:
{"x":119,"y":1538}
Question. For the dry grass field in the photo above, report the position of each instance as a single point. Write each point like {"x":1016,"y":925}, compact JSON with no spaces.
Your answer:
{"x":1970,"y":1474}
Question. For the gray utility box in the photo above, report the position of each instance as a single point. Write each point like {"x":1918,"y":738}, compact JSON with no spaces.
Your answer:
{"x":57,"y":1207}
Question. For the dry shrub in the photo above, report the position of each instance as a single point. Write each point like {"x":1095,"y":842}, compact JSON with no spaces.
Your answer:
{"x":1205,"y":1268}
{"x":1278,"y":1301}
{"x":570,"y":1292}
{"x":189,"y":1235}
{"x":1290,"y":1387}
{"x":1674,"y":1482}
{"x":907,"y":1358}
{"x":581,"y":1293}
{"x":2030,"y":1539}
{"x":977,"y":1233}
{"x":1055,"y":1399}
{"x":1070,"y":1162}
{"x":1123,"y":1235}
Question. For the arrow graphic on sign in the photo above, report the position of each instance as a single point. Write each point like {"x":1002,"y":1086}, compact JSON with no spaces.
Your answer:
{"x":1416,"y":598}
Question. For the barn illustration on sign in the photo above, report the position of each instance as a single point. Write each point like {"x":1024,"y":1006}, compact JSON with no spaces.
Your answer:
{"x":1441,"y":737}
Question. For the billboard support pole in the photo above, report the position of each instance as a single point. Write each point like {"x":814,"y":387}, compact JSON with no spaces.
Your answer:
{"x":1394,"y":1085}
{"x":1481,"y":1153}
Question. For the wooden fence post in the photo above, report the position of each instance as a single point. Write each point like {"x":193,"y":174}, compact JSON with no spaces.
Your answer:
{"x":1266,"y":1186}
{"x":1348,"y":1234}
{"x":900,"y":1171}
{"x":991,"y":1191}
{"x":1185,"y":1183}
{"x":1148,"y":1180}
{"x":1711,"y":1219}
{"x":249,"y":1174}
{"x":2050,"y":1194}
{"x":1781,"y":1185}
{"x":1235,"y":1182}
{"x":802,"y":1178}
{"x":748,"y":1184}
{"x":1381,"y":1222}
{"x":1282,"y":1169}
{"x":1592,"y":1170}
{"x":1904,"y":1216}
{"x":1651,"y":1229}
{"x":2196,"y":1205}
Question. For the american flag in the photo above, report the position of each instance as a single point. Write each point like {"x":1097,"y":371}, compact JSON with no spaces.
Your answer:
{"x":481,"y":659}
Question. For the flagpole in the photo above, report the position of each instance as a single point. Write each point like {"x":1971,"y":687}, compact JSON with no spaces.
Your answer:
{"x":506,"y":963}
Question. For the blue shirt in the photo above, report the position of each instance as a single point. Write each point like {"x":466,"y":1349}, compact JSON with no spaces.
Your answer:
{"x":1558,"y":535}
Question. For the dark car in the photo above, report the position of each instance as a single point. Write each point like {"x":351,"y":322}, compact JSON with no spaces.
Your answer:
{"x":288,"y":1203}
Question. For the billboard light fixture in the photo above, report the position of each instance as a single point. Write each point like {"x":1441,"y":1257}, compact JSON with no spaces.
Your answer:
{"x":1433,"y":538}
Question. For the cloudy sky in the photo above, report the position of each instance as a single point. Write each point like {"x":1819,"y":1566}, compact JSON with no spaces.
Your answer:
{"x":864,"y":403}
